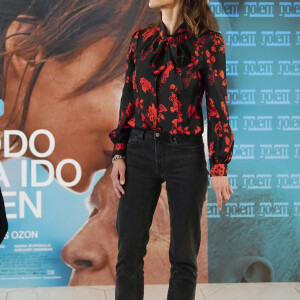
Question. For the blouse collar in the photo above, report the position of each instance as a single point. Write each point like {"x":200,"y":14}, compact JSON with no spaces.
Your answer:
{"x":164,"y":32}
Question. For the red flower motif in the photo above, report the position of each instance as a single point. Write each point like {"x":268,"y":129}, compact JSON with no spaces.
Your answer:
{"x":222,"y":74}
{"x":120,"y":146}
{"x":218,"y":170}
{"x":212,"y":110}
{"x":227,"y":142}
{"x":186,"y":82}
{"x":208,"y":55}
{"x":180,"y":130}
{"x":134,"y":85}
{"x":175,"y":102}
{"x":225,"y":127}
{"x":146,"y":85}
{"x":139,"y":103}
{"x":197,"y":130}
{"x":218,"y":129}
{"x":211,"y":149}
{"x":161,"y":109}
{"x":211,"y":79}
{"x":224,"y":82}
{"x":152,"y":115}
{"x":131,"y":122}
{"x":186,"y":130}
{"x":192,"y":112}
{"x":180,"y":119}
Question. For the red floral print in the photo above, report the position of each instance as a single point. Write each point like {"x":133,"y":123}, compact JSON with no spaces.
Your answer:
{"x":166,"y":75}
{"x":146,"y":86}
{"x":152,"y":115}
{"x":120,"y":146}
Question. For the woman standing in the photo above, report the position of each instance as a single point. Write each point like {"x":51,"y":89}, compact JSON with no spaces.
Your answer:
{"x":159,"y":139}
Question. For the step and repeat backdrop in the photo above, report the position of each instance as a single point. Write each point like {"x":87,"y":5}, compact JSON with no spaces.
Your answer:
{"x":60,"y":88}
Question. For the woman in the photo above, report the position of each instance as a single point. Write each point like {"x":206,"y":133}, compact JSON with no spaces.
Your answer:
{"x":170,"y":64}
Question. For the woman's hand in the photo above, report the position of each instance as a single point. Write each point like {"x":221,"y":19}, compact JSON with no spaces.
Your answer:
{"x":222,"y":189}
{"x":119,"y":168}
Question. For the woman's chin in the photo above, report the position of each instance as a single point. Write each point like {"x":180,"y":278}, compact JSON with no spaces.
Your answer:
{"x":154,"y":4}
{"x":83,"y":185}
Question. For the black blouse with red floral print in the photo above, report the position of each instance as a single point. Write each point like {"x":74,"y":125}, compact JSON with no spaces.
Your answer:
{"x":166,"y":77}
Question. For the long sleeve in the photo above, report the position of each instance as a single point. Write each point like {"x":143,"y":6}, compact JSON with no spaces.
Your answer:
{"x":220,"y":137}
{"x":120,"y":135}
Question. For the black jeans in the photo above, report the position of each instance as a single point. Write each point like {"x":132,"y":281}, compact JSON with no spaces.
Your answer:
{"x":152,"y":158}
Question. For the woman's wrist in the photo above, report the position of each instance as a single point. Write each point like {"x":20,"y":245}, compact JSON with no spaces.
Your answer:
{"x":117,"y":156}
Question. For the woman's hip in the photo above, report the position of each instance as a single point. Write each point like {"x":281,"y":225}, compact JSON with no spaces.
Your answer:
{"x":164,"y":152}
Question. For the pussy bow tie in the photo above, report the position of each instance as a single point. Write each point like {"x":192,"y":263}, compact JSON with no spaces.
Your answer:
{"x":174,"y":49}
{"x":168,"y":48}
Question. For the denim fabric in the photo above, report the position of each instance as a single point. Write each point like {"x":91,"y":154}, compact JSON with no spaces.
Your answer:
{"x":154,"y":157}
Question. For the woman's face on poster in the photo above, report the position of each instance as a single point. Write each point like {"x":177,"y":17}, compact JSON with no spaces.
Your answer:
{"x":80,"y":126}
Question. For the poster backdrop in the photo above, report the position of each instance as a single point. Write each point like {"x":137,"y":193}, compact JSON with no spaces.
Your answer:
{"x":59,"y":200}
{"x":256,"y":237}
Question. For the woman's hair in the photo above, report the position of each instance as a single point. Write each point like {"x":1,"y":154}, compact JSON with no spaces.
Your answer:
{"x":61,"y":30}
{"x":197,"y":14}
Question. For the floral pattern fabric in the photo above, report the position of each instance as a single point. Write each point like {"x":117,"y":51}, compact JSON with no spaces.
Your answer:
{"x":166,"y":77}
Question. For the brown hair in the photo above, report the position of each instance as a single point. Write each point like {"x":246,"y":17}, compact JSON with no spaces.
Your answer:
{"x":64,"y":28}
{"x":197,"y":14}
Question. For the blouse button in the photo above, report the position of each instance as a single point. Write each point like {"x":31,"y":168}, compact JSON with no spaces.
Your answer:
{"x":157,"y":133}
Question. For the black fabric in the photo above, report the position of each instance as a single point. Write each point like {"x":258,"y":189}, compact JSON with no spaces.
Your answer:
{"x":3,"y":219}
{"x":166,"y":77}
{"x":152,"y":158}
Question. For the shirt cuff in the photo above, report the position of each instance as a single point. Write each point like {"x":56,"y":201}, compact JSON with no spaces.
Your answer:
{"x":218,"y":170}
{"x":119,"y":148}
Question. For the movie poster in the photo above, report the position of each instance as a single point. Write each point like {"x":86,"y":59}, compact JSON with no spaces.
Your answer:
{"x":60,"y":88}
